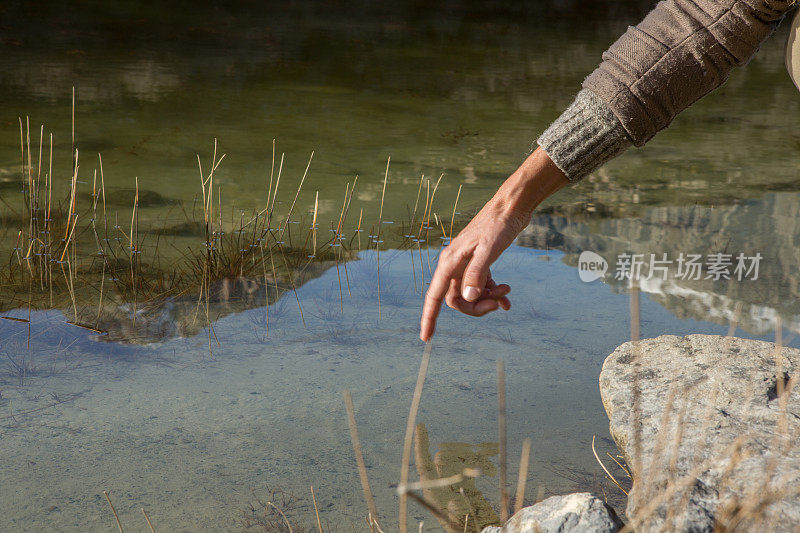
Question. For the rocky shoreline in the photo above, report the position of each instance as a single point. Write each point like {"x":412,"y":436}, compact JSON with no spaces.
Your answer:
{"x":707,"y":426}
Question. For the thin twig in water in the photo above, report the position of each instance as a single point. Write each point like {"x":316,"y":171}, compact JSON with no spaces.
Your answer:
{"x":116,"y":517}
{"x":378,"y":237}
{"x":412,"y":417}
{"x":283,"y":515}
{"x":522,"y":477}
{"x":501,"y":426}
{"x":316,"y":510}
{"x":152,"y":529}
{"x":611,"y":477}
{"x":362,"y":468}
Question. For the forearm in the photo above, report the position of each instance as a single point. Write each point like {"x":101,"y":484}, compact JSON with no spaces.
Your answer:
{"x":681,"y":51}
{"x":536,"y":179}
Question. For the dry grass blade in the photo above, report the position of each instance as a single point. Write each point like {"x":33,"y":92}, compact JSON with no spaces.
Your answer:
{"x":610,"y":476}
{"x":283,"y":515}
{"x":453,"y":218}
{"x":152,"y":529}
{"x":501,"y":427}
{"x":316,"y":510}
{"x":296,"y":196}
{"x":412,"y":418}
{"x":378,"y":238}
{"x":438,"y":483}
{"x":522,"y":477}
{"x":634,"y":312}
{"x":116,"y":517}
{"x":362,"y":467}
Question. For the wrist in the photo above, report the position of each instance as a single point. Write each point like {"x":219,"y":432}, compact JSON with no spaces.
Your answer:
{"x":534,"y":181}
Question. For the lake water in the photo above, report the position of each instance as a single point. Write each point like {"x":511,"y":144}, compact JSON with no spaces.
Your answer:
{"x":199,"y":394}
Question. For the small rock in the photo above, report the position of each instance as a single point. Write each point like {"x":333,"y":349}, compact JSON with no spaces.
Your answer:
{"x":574,"y":513}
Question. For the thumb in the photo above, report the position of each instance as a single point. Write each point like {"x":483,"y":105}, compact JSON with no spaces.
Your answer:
{"x":476,"y":274}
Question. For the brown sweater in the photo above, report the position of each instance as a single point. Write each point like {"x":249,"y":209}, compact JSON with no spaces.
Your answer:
{"x":680,"y":52}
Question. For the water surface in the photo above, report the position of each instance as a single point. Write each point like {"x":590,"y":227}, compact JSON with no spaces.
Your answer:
{"x":196,"y":423}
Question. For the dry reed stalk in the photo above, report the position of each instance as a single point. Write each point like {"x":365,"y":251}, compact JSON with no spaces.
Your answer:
{"x":102,"y":193}
{"x":48,"y":256}
{"x":72,"y":199}
{"x":149,"y":524}
{"x":453,"y":218}
{"x":69,"y":238}
{"x":358,"y":229}
{"x":341,"y":237}
{"x":302,"y":180}
{"x":412,"y":417}
{"x":316,"y":510}
{"x":610,"y":476}
{"x":22,"y":150}
{"x":283,"y":515}
{"x":735,"y":321}
{"x":416,"y":204}
{"x":430,"y":205}
{"x":74,"y":160}
{"x":378,"y":235}
{"x":133,"y":215}
{"x":501,"y":427}
{"x":337,"y":243}
{"x":425,"y":213}
{"x":444,"y":233}
{"x":134,"y":246}
{"x":634,"y":308}
{"x":338,"y":229}
{"x":426,"y":484}
{"x":522,"y":477}
{"x":314,"y":228}
{"x":362,"y":467}
{"x":271,"y":174}
{"x":277,"y":184}
{"x":116,"y":517}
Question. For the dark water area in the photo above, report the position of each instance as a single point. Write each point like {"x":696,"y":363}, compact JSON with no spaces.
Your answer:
{"x":194,"y":391}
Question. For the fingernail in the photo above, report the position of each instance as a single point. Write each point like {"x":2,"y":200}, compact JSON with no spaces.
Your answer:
{"x":471,"y":293}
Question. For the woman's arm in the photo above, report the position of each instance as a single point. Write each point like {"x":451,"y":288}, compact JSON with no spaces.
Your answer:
{"x":680,"y":52}
{"x":462,"y":276}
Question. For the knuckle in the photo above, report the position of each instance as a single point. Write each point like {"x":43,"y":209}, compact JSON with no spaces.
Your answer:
{"x":473,"y":272}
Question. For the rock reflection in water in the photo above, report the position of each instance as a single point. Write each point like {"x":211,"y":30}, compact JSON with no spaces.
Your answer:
{"x":462,"y":502}
{"x":183,"y":316}
{"x":769,"y":226}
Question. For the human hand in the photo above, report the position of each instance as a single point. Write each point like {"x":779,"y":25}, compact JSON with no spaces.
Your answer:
{"x":462,"y":277}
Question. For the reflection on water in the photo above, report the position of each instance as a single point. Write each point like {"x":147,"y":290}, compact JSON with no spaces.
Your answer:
{"x":768,"y":226}
{"x":461,"y":88}
{"x":462,"y":503}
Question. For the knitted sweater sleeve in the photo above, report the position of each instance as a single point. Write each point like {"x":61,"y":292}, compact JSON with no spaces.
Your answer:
{"x":680,"y":52}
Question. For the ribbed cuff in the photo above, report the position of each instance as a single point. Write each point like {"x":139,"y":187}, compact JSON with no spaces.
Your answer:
{"x":584,"y":137}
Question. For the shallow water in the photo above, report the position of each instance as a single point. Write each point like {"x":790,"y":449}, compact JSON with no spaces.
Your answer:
{"x":194,"y":424}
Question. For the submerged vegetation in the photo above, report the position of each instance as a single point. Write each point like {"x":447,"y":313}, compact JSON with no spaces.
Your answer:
{"x":118,"y":273}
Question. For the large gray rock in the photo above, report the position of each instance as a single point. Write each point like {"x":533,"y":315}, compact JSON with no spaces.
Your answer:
{"x":574,"y":513}
{"x":709,"y":428}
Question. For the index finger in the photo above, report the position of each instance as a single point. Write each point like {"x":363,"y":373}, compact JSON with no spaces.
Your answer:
{"x":445,"y":271}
